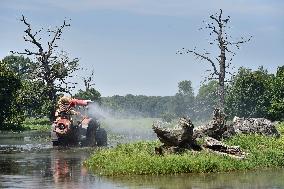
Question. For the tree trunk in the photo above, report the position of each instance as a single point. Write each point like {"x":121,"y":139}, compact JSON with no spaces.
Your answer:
{"x":222,"y":75}
{"x":51,"y":95}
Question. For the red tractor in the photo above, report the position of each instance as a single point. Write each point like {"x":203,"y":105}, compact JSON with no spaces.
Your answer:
{"x":74,"y":127}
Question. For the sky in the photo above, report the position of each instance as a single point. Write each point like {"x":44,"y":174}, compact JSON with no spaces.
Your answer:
{"x":131,"y":44}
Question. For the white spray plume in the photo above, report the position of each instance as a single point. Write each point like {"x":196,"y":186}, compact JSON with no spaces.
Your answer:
{"x":130,"y":125}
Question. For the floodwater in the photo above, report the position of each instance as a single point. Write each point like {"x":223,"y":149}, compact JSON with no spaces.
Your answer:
{"x":28,"y":161}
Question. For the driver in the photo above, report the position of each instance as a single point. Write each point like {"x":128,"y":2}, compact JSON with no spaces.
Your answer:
{"x":65,"y":107}
{"x":66,"y":104}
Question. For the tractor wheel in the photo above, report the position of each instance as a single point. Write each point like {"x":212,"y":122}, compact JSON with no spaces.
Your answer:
{"x":101,"y":137}
{"x":91,"y":133}
{"x":55,"y":143}
{"x":74,"y":137}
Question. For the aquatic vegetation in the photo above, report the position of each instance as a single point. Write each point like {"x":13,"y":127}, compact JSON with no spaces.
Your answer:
{"x":140,"y":158}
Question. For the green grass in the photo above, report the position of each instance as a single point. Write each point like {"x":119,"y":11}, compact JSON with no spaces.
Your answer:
{"x":139,"y":158}
{"x":42,"y":124}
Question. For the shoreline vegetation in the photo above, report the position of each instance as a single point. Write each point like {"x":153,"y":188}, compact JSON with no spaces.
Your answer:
{"x":139,"y":158}
{"x":30,"y":124}
{"x":42,"y":124}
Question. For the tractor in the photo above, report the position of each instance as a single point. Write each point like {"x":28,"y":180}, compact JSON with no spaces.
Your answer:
{"x":80,"y":129}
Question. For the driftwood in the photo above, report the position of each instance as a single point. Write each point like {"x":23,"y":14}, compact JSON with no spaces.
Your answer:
{"x":184,"y":135}
{"x":215,"y":128}
{"x":177,"y":139}
{"x":180,"y":136}
{"x":223,"y":149}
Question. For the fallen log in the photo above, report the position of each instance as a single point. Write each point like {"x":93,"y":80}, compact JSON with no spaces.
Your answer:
{"x":183,"y":137}
{"x":180,"y":136}
{"x":223,"y":149}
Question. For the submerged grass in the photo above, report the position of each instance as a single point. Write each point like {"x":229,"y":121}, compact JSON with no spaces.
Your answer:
{"x":139,"y":158}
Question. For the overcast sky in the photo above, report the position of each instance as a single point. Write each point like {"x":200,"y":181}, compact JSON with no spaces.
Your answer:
{"x":132,"y":44}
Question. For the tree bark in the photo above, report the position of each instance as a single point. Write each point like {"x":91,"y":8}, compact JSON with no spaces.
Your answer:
{"x":222,"y":75}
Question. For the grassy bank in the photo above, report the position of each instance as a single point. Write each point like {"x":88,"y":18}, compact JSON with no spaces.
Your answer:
{"x":42,"y":124}
{"x":139,"y":158}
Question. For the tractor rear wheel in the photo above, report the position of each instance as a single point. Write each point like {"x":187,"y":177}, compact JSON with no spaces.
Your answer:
{"x":101,"y":137}
{"x":91,"y":133}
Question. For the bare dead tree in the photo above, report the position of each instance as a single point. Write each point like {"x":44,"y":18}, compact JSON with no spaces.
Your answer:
{"x":221,"y":64}
{"x":53,"y":67}
{"x":88,"y":81}
{"x":90,"y":92}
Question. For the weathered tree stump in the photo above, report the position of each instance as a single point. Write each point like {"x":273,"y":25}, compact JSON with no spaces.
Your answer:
{"x":215,"y":128}
{"x":221,"y":148}
{"x":174,"y":140}
{"x":183,"y":137}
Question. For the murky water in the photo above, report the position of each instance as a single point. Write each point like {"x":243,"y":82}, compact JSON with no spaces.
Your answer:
{"x":26,"y":162}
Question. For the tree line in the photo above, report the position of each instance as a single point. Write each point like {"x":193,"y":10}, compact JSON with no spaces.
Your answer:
{"x":249,"y":94}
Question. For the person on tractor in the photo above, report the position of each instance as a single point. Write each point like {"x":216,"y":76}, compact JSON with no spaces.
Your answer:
{"x":65,"y":128}
{"x":65,"y":104}
{"x":73,"y":127}
{"x":64,"y":112}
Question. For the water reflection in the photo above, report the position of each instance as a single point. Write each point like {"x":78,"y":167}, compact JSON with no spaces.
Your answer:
{"x":237,"y":180}
{"x":32,"y":164}
{"x":67,"y":169}
{"x":52,"y":168}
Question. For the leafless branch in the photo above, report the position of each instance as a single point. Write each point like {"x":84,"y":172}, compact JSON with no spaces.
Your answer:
{"x":203,"y":57}
{"x":29,"y":36}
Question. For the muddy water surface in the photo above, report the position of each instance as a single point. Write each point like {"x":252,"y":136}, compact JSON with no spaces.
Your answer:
{"x":27,"y":160}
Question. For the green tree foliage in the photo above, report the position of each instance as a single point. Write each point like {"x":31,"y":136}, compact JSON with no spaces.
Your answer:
{"x":90,"y":94}
{"x":31,"y":96}
{"x":249,"y":95}
{"x":182,"y":104}
{"x":10,"y":114}
{"x":276,"y":109}
{"x":20,"y":65}
{"x":185,"y":88}
{"x":140,"y":105}
{"x":34,"y":103}
{"x":206,"y":100}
